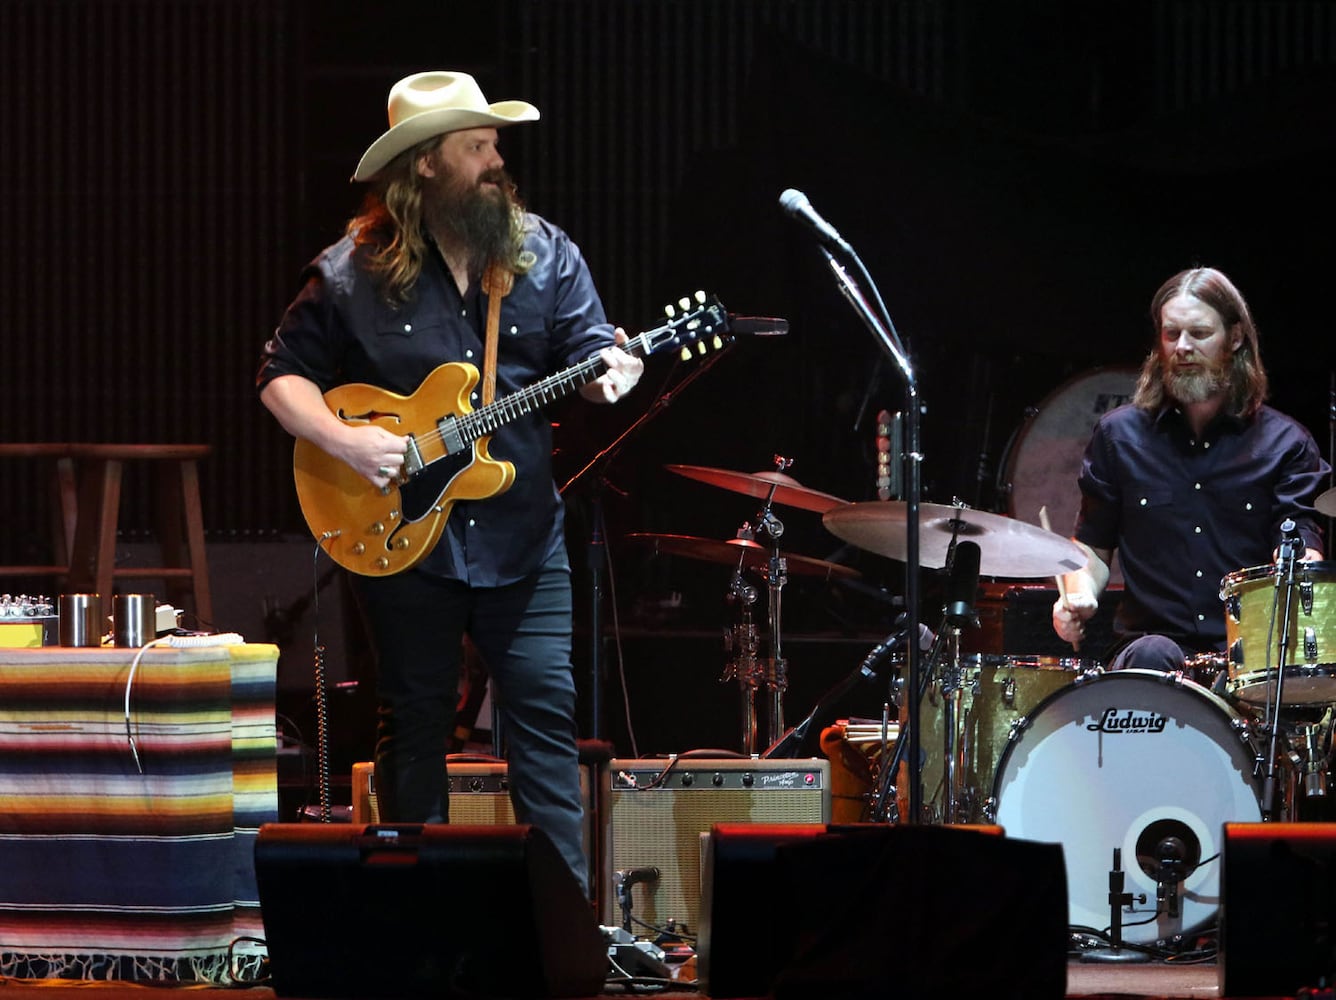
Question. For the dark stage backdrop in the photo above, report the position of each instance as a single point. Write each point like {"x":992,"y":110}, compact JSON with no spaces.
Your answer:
{"x":1017,"y":177}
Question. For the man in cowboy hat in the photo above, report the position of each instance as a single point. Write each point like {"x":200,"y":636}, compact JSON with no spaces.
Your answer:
{"x":439,"y":238}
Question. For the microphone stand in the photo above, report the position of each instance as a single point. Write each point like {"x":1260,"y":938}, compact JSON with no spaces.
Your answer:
{"x":879,"y":322}
{"x":1285,"y":572}
{"x":596,"y":548}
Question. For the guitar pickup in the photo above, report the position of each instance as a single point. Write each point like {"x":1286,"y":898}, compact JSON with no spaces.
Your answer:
{"x":412,"y":458}
{"x":450,"y":436}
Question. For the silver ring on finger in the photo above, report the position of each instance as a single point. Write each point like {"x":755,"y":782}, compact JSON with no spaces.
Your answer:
{"x":385,"y":471}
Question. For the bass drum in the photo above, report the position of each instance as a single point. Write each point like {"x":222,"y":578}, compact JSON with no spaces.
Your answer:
{"x":1124,"y":760}
{"x":1044,"y":457}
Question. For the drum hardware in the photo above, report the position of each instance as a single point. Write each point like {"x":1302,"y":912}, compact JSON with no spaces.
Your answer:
{"x":1119,"y":897}
{"x":772,"y":488}
{"x":1308,"y":759}
{"x":745,"y":668}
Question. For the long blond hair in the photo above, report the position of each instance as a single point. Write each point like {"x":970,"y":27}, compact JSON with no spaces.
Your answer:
{"x":390,"y":225}
{"x":1248,"y":386}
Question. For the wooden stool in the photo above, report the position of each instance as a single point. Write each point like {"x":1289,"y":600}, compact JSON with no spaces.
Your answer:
{"x":64,"y":505}
{"x":180,"y":520}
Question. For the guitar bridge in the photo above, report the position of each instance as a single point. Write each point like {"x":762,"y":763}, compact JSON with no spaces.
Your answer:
{"x":412,"y":458}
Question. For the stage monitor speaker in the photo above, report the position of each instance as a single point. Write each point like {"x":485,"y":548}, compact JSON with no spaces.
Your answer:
{"x":418,"y":911}
{"x":873,"y":910}
{"x":1278,"y":908}
{"x":655,"y":811}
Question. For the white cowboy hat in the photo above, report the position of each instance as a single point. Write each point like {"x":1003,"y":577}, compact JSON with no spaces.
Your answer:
{"x":428,"y":104}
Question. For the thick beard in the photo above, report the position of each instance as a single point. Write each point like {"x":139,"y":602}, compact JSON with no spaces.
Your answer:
{"x":1197,"y":386}
{"x":479,"y":221}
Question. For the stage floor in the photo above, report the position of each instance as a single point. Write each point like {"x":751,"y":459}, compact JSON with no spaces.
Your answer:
{"x":1086,"y":980}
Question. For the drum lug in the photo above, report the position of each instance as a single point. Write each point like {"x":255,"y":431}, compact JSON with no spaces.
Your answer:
{"x":1310,"y":644}
{"x":1306,"y":596}
{"x":1009,"y":690}
{"x":1233,"y":606}
{"x":1236,"y":652}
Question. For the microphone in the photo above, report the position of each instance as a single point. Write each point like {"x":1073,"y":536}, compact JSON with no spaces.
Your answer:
{"x":962,"y":583}
{"x":633,"y":876}
{"x":796,"y":206}
{"x":757,"y":326}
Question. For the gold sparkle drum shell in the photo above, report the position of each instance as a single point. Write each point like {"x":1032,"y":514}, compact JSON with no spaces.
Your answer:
{"x":1255,"y":600}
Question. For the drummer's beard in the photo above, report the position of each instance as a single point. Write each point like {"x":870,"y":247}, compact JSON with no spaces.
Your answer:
{"x":1207,"y":380}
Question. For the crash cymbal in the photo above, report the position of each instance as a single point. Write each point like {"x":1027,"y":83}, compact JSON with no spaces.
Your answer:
{"x":752,"y":555}
{"x":1326,"y":503}
{"x":788,"y":491}
{"x":1007,"y":547}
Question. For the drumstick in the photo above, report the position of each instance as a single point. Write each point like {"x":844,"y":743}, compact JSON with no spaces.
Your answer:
{"x":1061,"y":581}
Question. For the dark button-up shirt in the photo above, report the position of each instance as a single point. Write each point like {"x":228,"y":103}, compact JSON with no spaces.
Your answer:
{"x":1185,"y":511}
{"x":341,"y":329}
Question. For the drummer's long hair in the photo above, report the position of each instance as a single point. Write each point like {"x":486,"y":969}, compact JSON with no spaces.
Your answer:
{"x":1247,"y":376}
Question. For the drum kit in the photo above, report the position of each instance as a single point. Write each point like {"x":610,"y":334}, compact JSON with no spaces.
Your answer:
{"x":1129,"y":764}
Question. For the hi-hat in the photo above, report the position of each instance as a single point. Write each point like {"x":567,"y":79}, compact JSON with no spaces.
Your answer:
{"x":1326,"y":503}
{"x":1007,"y":547}
{"x":787,"y":490}
{"x":751,"y":554}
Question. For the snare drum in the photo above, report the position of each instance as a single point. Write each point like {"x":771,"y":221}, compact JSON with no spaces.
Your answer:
{"x":1101,"y":761}
{"x":1253,"y":608}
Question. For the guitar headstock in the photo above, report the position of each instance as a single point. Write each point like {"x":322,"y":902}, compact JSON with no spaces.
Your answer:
{"x":698,"y":323}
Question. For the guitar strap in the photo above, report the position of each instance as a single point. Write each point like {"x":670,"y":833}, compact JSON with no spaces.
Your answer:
{"x":496,"y":284}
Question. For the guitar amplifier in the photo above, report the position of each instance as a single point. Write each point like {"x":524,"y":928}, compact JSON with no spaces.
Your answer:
{"x":479,"y":796}
{"x":655,"y":812}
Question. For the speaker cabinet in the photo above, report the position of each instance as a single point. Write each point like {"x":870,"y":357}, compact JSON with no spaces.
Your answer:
{"x":417,"y":911}
{"x":1278,"y":908}
{"x":870,"y":910}
{"x":655,"y":811}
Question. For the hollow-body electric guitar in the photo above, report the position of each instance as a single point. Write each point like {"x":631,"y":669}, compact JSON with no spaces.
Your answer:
{"x":379,"y":531}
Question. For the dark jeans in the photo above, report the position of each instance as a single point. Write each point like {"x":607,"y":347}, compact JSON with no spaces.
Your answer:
{"x":523,"y":631}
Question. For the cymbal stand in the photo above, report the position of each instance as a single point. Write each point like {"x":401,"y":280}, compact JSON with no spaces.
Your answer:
{"x":742,"y":641}
{"x":777,"y":574}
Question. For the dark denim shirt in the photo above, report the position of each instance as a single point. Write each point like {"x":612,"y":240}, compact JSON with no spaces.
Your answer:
{"x":340,"y":329}
{"x":1183,"y":512}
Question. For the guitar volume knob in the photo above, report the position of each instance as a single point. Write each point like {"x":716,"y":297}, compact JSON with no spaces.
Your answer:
{"x":378,"y":528}
{"x":382,"y":563}
{"x":358,"y":548}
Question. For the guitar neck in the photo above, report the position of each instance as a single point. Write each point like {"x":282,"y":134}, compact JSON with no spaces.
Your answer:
{"x":490,"y":418}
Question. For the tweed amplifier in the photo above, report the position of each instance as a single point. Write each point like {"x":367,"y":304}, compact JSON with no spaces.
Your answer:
{"x":654,"y":813}
{"x":479,"y":796}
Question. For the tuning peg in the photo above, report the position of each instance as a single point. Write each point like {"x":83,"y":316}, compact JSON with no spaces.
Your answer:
{"x":700,"y":296}
{"x":700,"y":348}
{"x":669,"y":311}
{"x":684,"y":353}
{"x":685,"y":303}
{"x":717,"y":341}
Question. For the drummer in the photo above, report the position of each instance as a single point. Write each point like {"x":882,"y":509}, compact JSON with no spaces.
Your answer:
{"x":1190,"y":481}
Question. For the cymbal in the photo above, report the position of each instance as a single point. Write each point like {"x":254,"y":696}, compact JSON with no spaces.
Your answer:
{"x":788,"y":491}
{"x":1007,"y":547}
{"x":752,"y":555}
{"x":1326,"y":503}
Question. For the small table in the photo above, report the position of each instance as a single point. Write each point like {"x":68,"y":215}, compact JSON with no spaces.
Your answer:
{"x":114,"y":873}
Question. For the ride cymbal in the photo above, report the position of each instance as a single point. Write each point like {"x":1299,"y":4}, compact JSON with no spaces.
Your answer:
{"x":787,"y":490}
{"x":1326,"y":503}
{"x":1007,"y":547}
